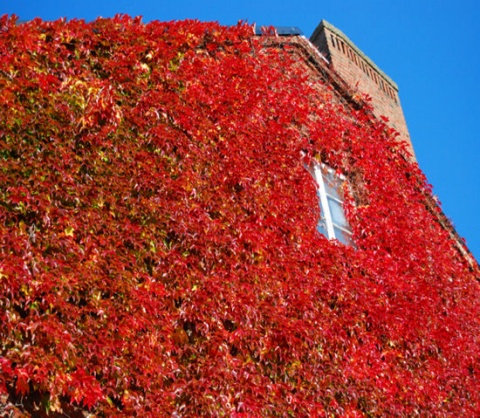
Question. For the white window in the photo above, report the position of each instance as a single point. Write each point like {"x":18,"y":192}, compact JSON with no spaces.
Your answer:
{"x":332,"y":223}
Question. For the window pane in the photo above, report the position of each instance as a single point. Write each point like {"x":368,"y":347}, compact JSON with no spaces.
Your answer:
{"x":332,"y":223}
{"x":343,"y":236}
{"x":333,"y":184}
{"x":336,"y":210}
{"x":322,"y":227}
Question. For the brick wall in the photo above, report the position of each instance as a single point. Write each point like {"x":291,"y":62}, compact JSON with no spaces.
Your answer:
{"x":362,"y":75}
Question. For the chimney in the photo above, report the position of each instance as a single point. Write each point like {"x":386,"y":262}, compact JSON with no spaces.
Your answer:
{"x":362,"y":75}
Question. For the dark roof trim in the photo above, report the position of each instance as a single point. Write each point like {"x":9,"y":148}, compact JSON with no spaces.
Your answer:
{"x":278,"y":30}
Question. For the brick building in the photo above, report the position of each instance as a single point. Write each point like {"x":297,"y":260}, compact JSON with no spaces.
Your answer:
{"x":198,"y":220}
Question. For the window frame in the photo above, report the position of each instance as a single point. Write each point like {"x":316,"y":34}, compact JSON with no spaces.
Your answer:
{"x":326,"y":216}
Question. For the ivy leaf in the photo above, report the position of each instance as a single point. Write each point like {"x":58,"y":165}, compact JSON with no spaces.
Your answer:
{"x":69,"y":231}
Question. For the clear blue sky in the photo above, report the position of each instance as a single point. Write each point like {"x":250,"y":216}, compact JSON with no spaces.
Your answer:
{"x":430,"y":48}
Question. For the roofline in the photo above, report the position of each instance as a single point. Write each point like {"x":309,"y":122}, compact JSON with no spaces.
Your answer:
{"x":279,"y":30}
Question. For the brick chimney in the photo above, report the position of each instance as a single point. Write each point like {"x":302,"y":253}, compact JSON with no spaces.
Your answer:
{"x":362,"y":75}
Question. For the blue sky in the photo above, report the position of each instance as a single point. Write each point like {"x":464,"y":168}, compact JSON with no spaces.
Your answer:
{"x":429,"y":48}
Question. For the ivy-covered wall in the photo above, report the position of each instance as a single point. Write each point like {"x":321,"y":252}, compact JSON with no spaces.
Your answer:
{"x":158,"y":246}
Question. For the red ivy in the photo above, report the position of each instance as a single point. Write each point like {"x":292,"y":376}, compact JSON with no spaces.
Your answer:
{"x":158,"y":245}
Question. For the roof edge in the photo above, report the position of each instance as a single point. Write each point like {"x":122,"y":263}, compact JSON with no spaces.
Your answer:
{"x":279,"y":30}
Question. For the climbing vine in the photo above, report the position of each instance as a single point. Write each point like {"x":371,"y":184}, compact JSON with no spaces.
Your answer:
{"x":158,"y":245}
